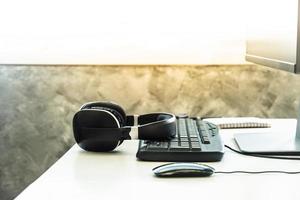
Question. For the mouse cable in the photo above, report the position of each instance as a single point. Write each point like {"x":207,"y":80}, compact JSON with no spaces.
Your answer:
{"x":263,"y":155}
{"x":256,"y":172}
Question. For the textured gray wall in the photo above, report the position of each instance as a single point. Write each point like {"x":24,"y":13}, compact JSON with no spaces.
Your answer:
{"x":37,"y":104}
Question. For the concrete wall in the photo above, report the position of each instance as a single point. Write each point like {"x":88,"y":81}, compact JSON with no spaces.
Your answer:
{"x":37,"y":104}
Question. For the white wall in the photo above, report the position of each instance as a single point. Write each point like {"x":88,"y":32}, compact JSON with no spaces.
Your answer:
{"x":122,"y":32}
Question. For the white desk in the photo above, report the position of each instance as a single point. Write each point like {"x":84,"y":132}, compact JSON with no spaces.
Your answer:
{"x":118,"y":175}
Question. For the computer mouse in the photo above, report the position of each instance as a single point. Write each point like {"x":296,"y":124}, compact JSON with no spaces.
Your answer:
{"x":183,"y":170}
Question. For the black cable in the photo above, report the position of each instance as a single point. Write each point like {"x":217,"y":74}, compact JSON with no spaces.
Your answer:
{"x":263,"y":156}
{"x":256,"y":172}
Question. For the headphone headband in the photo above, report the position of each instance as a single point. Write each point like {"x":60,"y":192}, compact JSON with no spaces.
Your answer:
{"x":150,"y":126}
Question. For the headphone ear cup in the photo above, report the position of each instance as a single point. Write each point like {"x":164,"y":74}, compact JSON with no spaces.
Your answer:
{"x":85,"y":124}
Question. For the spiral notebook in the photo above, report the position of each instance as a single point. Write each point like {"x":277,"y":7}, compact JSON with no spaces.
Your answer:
{"x":239,"y":122}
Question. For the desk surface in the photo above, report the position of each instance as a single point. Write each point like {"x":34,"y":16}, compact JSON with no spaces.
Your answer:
{"x":118,"y":175}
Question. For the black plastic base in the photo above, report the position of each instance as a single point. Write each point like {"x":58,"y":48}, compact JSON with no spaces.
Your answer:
{"x":180,"y":156}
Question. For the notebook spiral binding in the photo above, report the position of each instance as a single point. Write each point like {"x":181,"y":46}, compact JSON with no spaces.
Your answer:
{"x":244,"y":125}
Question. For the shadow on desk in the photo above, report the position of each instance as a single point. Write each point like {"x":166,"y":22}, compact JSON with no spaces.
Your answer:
{"x":115,"y":152}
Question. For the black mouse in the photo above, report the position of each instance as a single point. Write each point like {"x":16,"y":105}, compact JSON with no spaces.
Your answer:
{"x":183,"y":170}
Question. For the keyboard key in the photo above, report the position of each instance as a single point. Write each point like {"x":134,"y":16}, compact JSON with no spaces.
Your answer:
{"x":196,"y":145}
{"x":158,"y":146}
{"x":192,"y":129}
{"x":205,"y":140}
{"x":194,"y":139}
{"x":214,"y":132}
{"x":204,"y":131}
{"x":182,"y":127}
{"x":175,"y":146}
{"x":184,"y":139}
{"x":211,"y":126}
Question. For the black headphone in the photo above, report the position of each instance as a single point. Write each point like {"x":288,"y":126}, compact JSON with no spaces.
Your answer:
{"x":102,"y":126}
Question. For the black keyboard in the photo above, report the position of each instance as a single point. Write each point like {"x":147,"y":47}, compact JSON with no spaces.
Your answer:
{"x":195,"y":141}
